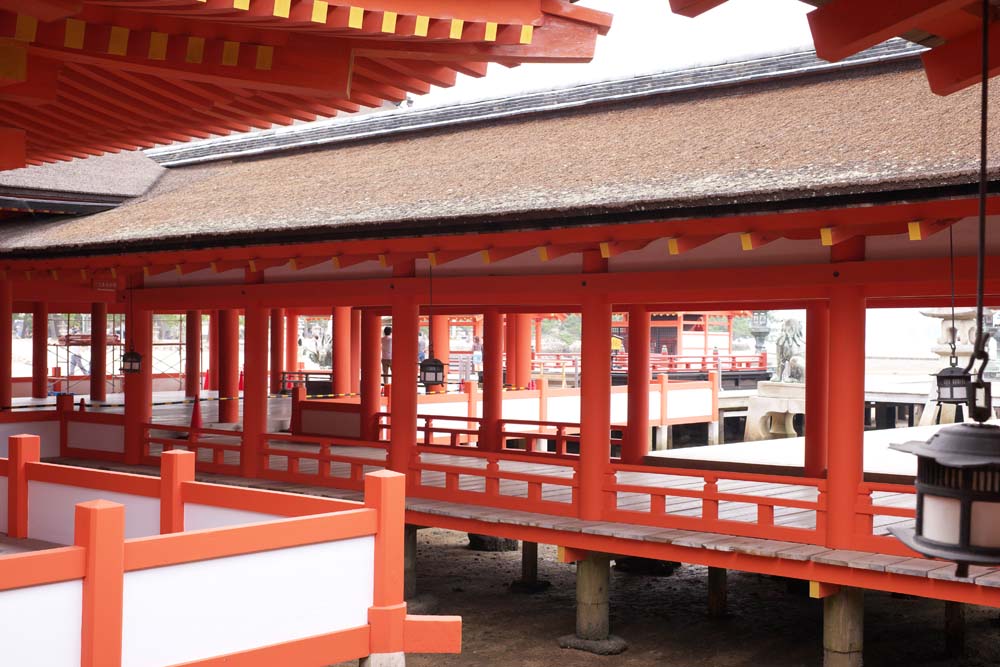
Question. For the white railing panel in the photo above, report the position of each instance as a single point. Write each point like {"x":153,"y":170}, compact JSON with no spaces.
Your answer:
{"x":40,"y":626}
{"x":51,"y":511}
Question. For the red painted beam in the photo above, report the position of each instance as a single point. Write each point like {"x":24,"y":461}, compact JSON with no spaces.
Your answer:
{"x":692,"y":8}
{"x":43,"y":10}
{"x":844,"y":27}
{"x":958,"y":64}
{"x":13,"y":153}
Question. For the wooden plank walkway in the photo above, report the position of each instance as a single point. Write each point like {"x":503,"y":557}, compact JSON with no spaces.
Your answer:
{"x":13,"y":545}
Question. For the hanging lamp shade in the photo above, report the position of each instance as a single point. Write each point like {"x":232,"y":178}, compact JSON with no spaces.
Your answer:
{"x":958,"y":495}
{"x":953,"y":385}
{"x":131,"y":362}
{"x":431,"y":372}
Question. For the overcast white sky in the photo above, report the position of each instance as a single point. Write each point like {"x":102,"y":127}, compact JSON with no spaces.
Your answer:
{"x":647,"y":37}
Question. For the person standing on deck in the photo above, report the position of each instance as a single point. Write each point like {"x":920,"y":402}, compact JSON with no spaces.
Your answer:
{"x":386,"y":354}
{"x":421,"y":347}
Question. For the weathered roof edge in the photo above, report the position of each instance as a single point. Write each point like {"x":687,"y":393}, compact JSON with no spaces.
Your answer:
{"x":358,"y":128}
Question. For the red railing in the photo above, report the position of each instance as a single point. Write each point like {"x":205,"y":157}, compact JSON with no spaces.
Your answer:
{"x":878,"y":507}
{"x":320,"y":460}
{"x":559,"y":433}
{"x":774,"y":507}
{"x":216,"y":450}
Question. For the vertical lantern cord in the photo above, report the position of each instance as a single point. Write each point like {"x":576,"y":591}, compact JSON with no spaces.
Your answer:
{"x":980,"y":390}
{"x":430,"y":310}
{"x":953,"y":361}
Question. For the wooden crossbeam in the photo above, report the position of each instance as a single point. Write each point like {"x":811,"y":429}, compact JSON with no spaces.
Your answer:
{"x":191,"y":267}
{"x":345,"y":261}
{"x":842,"y":28}
{"x":957,"y":64}
{"x":299,"y":263}
{"x":438,"y":257}
{"x":920,"y":230}
{"x":754,"y":240}
{"x":549,"y":252}
{"x":682,"y":244}
{"x":493,"y":255}
{"x":157,"y":269}
{"x":820,"y":589}
{"x":43,"y":10}
{"x":831,"y":236}
{"x":692,"y":8}
{"x":611,"y":249}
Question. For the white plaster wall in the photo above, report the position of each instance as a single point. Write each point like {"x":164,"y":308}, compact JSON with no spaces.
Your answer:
{"x":965,"y":232}
{"x":457,"y":408}
{"x":521,"y":408}
{"x":40,"y":626}
{"x":338,"y":424}
{"x":51,"y":511}
{"x":326,"y":271}
{"x":203,"y":277}
{"x":48,"y":433}
{"x":564,"y":409}
{"x":264,"y":598}
{"x":724,"y":252}
{"x":100,"y":437}
{"x":619,"y":408}
{"x":682,"y":403}
{"x":199,"y":517}
{"x":654,"y":405}
{"x":3,"y":504}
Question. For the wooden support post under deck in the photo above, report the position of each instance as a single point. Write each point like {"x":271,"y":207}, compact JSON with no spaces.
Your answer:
{"x":489,"y":434}
{"x":717,"y":592}
{"x":355,"y":351}
{"x":522,"y":349}
{"x":255,"y":383}
{"x":98,"y":351}
{"x":595,"y":406}
{"x":954,"y":629}
{"x":229,"y":366}
{"x":371,"y":372}
{"x":846,"y":425}
{"x":138,"y":386}
{"x":817,"y":387}
{"x":342,"y":350}
{"x":843,"y":628}
{"x":291,"y":340}
{"x":6,"y":344}
{"x":213,"y":350}
{"x":192,"y":354}
{"x":637,"y":434}
{"x":405,"y":327}
{"x":277,"y":349}
{"x":40,"y":350}
{"x":440,"y":343}
{"x":593,"y":576}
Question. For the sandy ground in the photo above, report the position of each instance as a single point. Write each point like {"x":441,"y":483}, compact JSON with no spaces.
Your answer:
{"x":664,"y":619}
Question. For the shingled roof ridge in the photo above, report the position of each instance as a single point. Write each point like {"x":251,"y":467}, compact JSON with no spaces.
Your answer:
{"x":358,"y":128}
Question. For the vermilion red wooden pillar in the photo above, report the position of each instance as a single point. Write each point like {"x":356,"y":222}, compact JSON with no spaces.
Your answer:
{"x":138,"y":386}
{"x":98,"y":351}
{"x":845,"y":449}
{"x":229,"y":366}
{"x":637,"y":434}
{"x":255,"y":383}
{"x":342,"y":350}
{"x":40,"y":350}
{"x":355,"y":351}
{"x":522,"y":349}
{"x":595,"y":405}
{"x":6,"y":332}
{"x":277,"y":348}
{"x":441,"y":342}
{"x":817,"y":387}
{"x":291,"y":340}
{"x":213,"y":350}
{"x":405,"y":328}
{"x":489,"y":434}
{"x":510,"y":350}
{"x":371,"y":372}
{"x":192,"y":354}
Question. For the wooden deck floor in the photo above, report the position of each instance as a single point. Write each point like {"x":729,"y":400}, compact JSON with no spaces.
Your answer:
{"x":14,"y":545}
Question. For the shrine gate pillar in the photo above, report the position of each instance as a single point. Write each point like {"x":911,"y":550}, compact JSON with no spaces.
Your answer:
{"x":405,"y":328}
{"x":213,"y":350}
{"x":138,"y":386}
{"x":522,"y":349}
{"x":637,"y":433}
{"x":441,"y":343}
{"x":98,"y":351}
{"x":6,"y":344}
{"x":489,"y":431}
{"x":510,"y":350}
{"x":229,"y":366}
{"x":277,"y":349}
{"x":342,"y":350}
{"x":291,"y":340}
{"x":595,"y":405}
{"x":845,"y":432}
{"x":355,"y":351}
{"x":192,"y":354}
{"x":40,"y":350}
{"x":255,"y":384}
{"x":371,"y":372}
{"x":817,"y":387}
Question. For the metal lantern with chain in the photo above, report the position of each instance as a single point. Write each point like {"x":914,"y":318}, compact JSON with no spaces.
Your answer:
{"x":958,"y":468}
{"x":431,"y":369}
{"x":952,"y":381}
{"x":131,"y":360}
